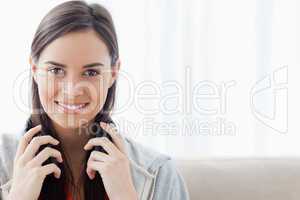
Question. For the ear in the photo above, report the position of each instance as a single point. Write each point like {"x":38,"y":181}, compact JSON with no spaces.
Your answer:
{"x":33,"y":68}
{"x":115,"y":72}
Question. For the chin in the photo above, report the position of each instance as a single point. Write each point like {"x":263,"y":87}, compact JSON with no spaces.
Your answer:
{"x":70,"y":122}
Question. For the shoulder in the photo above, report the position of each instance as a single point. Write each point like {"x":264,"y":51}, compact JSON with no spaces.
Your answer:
{"x":169,"y":183}
{"x":144,"y":156}
{"x":8,"y":148}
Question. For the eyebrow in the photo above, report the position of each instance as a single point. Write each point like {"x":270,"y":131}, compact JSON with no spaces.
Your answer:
{"x":85,"y":66}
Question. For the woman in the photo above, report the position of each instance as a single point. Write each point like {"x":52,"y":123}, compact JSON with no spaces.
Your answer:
{"x":74,"y":66}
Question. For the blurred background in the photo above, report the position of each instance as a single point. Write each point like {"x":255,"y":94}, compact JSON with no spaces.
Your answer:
{"x":199,"y":78}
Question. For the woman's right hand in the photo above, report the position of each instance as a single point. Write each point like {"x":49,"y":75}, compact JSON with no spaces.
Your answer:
{"x":28,"y":172}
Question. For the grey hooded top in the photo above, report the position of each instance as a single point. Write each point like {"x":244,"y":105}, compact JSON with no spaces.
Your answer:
{"x":154,"y":174}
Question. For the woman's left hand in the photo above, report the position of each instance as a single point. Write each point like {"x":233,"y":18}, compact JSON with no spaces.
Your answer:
{"x":113,"y":167}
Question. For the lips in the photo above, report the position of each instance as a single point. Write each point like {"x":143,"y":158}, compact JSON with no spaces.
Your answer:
{"x":72,"y":108}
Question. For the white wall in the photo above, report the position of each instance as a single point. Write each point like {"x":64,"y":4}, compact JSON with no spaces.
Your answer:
{"x":233,"y":47}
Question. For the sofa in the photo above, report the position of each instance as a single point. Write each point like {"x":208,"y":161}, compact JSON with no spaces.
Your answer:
{"x":242,"y":178}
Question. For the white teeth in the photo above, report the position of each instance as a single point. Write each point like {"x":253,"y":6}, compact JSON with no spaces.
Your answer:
{"x":72,"y":107}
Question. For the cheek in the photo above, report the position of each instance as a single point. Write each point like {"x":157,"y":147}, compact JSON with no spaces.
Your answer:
{"x":98,"y":95}
{"x":47,"y":92}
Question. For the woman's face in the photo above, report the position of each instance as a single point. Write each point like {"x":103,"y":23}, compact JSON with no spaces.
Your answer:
{"x":73,"y":75}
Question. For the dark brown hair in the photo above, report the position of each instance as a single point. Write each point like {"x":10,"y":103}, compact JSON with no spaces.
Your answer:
{"x":69,"y":17}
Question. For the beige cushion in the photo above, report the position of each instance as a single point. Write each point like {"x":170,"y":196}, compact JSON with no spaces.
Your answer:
{"x":242,"y":178}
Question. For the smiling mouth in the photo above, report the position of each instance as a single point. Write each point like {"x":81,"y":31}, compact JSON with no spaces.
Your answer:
{"x":72,"y":108}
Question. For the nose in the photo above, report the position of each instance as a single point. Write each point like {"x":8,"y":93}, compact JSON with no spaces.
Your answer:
{"x":72,"y":89}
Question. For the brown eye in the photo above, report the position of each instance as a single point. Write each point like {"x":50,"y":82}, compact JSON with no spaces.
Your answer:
{"x":56,"y":71}
{"x":91,"y":73}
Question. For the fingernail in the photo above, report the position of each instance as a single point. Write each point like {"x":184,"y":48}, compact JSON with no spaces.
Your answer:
{"x":102,"y":124}
{"x":88,"y":175}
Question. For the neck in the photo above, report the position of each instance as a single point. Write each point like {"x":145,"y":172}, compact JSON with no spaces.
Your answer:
{"x":72,"y":139}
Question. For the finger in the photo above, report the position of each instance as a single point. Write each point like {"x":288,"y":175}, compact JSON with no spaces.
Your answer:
{"x":107,"y":145}
{"x":93,"y":167}
{"x":44,"y":155}
{"x":35,"y":144}
{"x":96,"y":156}
{"x":24,"y":141}
{"x":117,"y":138}
{"x":51,"y":168}
{"x":99,"y":156}
{"x":91,"y":173}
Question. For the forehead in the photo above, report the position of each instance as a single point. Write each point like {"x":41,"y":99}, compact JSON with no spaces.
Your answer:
{"x":78,"y":48}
